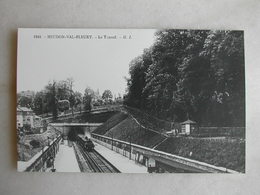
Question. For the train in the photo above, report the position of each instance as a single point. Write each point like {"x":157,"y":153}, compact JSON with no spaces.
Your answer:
{"x":86,"y":143}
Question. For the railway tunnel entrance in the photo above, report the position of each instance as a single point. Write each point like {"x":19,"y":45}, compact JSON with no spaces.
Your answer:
{"x":71,"y":130}
{"x":74,"y":132}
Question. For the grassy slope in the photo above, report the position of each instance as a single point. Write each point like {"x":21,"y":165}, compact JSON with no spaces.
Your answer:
{"x":111,"y":122}
{"x":123,"y":127}
{"x":128,"y":130}
{"x":149,"y":121}
{"x":229,"y":153}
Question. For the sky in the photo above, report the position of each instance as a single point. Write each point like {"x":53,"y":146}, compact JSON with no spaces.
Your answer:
{"x":97,"y":58}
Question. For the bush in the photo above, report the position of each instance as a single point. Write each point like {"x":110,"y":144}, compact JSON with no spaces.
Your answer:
{"x":29,"y":133}
{"x":27,"y":127}
{"x":35,"y":144}
{"x":63,"y":105}
{"x":229,"y":153}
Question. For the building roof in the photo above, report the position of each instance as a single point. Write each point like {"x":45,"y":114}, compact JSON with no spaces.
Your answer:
{"x":23,"y":109}
{"x":188,"y":122}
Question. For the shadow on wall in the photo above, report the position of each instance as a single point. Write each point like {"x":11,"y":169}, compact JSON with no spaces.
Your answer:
{"x":73,"y":132}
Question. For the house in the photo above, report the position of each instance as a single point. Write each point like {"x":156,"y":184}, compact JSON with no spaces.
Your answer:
{"x":188,"y":127}
{"x":27,"y":116}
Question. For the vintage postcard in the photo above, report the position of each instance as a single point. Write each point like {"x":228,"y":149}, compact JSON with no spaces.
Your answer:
{"x":131,"y":101}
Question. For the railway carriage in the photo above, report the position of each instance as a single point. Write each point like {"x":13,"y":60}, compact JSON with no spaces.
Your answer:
{"x":89,"y":146}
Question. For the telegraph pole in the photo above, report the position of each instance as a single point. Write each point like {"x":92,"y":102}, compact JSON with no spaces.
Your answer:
{"x":112,"y":140}
{"x":130,"y":148}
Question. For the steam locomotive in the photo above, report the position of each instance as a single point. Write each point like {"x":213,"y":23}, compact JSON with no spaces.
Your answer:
{"x":85,"y":143}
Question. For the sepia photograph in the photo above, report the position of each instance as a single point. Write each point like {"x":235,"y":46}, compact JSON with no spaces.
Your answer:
{"x":131,"y":101}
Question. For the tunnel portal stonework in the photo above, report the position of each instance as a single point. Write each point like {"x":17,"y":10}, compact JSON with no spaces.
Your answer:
{"x":67,"y":128}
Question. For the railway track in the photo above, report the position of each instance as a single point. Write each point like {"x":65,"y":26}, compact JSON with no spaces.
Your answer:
{"x":94,"y":161}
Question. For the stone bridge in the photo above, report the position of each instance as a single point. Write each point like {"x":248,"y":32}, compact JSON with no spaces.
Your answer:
{"x":68,"y":129}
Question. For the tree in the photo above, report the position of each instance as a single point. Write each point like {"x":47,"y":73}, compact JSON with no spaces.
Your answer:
{"x":72,"y":99}
{"x":107,"y":95}
{"x":196,"y":74}
{"x":27,"y":127}
{"x":63,"y":105}
{"x":136,"y":82}
{"x":43,"y":101}
{"x":226,"y":52}
{"x":38,"y":103}
{"x":35,"y":143}
{"x":25,"y":101}
{"x":63,"y":89}
{"x":44,"y":124}
{"x":162,"y":75}
{"x":194,"y":86}
{"x":87,"y":102}
{"x":87,"y":98}
{"x":78,"y":99}
{"x":54,"y":101}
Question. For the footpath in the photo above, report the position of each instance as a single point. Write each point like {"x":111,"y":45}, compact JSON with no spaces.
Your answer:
{"x":65,"y":160}
{"x":122,"y":163}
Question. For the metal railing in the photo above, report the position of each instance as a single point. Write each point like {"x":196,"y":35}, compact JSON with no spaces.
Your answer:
{"x":76,"y":113}
{"x":46,"y":155}
{"x":133,"y":151}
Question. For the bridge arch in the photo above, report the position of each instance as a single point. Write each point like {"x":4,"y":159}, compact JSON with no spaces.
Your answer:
{"x":70,"y":130}
{"x":74,"y":131}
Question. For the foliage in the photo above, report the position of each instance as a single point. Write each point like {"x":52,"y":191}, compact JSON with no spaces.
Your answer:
{"x":60,"y":96}
{"x":87,"y":102}
{"x":25,"y":152}
{"x":45,"y":125}
{"x":78,"y":98}
{"x":55,"y":96}
{"x":54,"y":102}
{"x":35,"y":143}
{"x":63,"y":89}
{"x":63,"y":105}
{"x":38,"y":103}
{"x":25,"y":101}
{"x":196,"y":74}
{"x":87,"y":98}
{"x":27,"y":127}
{"x":223,"y":152}
{"x":107,"y":95}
